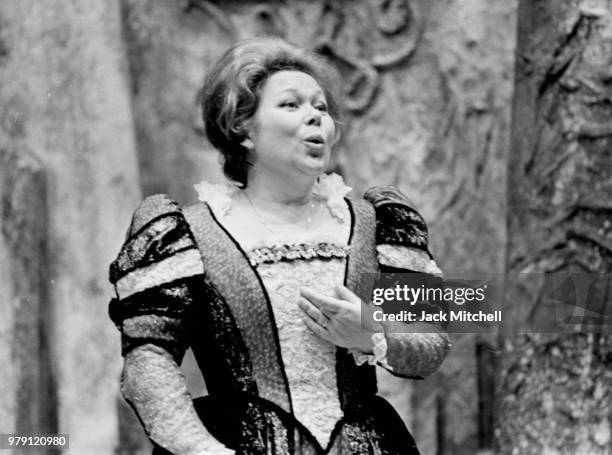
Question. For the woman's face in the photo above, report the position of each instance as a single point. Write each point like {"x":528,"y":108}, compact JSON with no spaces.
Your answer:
{"x":292,"y":132}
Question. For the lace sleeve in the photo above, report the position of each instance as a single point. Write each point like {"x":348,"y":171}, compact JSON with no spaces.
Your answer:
{"x":154,"y":386}
{"x":412,"y":350}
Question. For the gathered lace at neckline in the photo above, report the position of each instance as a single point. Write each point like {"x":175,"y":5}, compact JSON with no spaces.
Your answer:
{"x":328,"y":187}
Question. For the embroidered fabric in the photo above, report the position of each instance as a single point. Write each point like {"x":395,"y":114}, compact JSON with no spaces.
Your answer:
{"x":309,"y":360}
{"x":404,"y":257}
{"x":315,"y":260}
{"x":153,"y":384}
{"x":415,"y":354}
{"x":180,"y":265}
{"x":310,"y":250}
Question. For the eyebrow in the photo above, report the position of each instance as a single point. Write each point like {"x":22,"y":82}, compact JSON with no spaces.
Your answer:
{"x":296,"y":92}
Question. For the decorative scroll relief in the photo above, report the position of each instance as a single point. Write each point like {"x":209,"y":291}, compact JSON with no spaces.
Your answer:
{"x":392,"y":18}
{"x":344,"y":33}
{"x":222,"y":19}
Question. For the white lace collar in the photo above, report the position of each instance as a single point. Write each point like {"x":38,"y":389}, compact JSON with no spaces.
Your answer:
{"x":328,"y":187}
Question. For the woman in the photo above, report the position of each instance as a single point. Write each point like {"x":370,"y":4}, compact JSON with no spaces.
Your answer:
{"x":263,"y":280}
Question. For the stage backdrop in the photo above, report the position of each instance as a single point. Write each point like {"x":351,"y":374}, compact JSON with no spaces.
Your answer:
{"x":99,"y":109}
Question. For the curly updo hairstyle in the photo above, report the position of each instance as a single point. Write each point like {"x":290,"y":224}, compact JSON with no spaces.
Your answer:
{"x":231,"y":91}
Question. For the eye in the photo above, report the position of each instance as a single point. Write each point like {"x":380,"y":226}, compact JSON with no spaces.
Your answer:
{"x":289,"y":104}
{"x":321,"y":107}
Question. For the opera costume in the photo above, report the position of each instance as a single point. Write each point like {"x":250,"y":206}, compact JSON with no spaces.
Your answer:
{"x":183,"y":281}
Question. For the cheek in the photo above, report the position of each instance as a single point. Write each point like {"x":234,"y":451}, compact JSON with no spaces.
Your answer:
{"x":330,"y":127}
{"x":280,"y":127}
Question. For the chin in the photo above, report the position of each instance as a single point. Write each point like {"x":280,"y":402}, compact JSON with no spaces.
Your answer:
{"x":314,"y":170}
{"x":315,"y":166}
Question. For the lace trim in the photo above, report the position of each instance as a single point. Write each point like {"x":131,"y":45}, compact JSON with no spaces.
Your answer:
{"x":154,"y":385}
{"x":328,"y":187}
{"x":273,"y":254}
{"x":217,"y":195}
{"x":379,"y":352}
{"x":332,"y":187}
{"x":407,"y":258}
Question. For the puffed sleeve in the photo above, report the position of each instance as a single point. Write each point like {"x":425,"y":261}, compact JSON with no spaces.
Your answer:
{"x":402,"y":247}
{"x":152,"y":276}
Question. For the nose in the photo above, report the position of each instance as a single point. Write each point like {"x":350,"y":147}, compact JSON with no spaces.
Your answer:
{"x":313,"y":117}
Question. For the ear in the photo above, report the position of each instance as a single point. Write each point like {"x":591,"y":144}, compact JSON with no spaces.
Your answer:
{"x":247,"y":143}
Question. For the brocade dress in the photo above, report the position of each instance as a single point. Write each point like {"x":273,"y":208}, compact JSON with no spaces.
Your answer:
{"x":182,"y":279}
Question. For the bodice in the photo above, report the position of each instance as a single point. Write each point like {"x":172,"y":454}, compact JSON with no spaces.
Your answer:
{"x":287,"y":262}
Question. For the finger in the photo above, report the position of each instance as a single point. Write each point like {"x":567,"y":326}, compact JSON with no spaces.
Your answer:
{"x":324,"y":302}
{"x":345,"y":293}
{"x":313,"y":312}
{"x":316,"y":328}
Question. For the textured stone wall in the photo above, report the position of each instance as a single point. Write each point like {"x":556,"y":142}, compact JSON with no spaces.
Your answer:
{"x":457,"y":176}
{"x":27,"y":384}
{"x":65,"y":116}
{"x":557,"y":386}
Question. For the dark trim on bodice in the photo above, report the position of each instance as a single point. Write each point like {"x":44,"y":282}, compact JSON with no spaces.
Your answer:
{"x":362,"y":258}
{"x":357,"y":383}
{"x":236,"y":298}
{"x":229,"y":271}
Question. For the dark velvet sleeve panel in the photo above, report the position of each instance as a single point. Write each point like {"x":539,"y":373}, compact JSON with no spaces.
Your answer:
{"x":413,"y":350}
{"x":397,"y":222}
{"x":152,"y":276}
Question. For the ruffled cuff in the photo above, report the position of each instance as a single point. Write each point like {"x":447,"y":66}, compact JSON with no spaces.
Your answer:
{"x":379,"y":352}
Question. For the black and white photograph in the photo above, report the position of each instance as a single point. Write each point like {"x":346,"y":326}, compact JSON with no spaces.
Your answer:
{"x":291,"y":227}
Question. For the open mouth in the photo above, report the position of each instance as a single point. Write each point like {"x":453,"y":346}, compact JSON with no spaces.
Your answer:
{"x":315,"y":141}
{"x":315,"y":149}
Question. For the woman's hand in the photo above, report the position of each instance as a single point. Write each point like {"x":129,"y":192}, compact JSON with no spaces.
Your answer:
{"x":343,"y":320}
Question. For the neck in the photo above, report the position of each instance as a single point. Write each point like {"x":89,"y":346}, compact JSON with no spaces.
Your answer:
{"x":280,"y":189}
